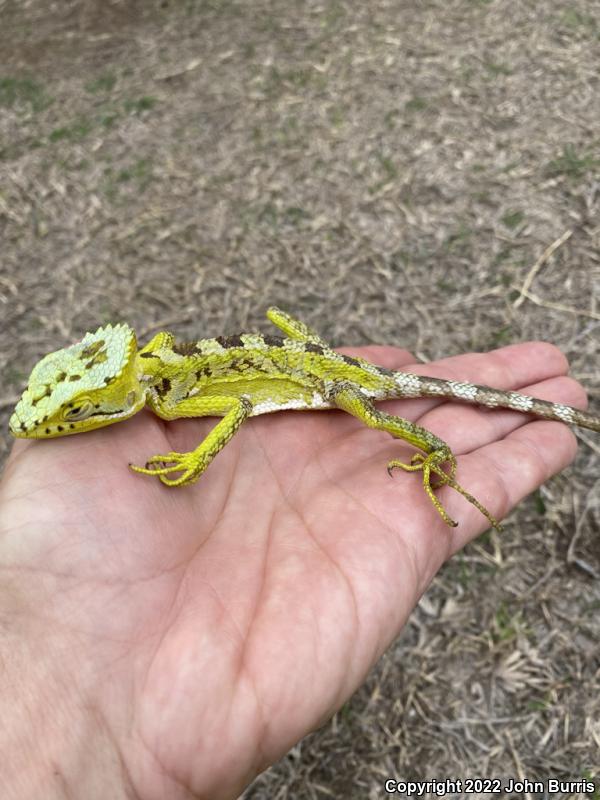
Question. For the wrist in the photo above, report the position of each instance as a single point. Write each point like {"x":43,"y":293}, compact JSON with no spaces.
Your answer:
{"x":54,"y":743}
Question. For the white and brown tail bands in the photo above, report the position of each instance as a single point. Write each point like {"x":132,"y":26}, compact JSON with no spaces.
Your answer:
{"x":417,"y":386}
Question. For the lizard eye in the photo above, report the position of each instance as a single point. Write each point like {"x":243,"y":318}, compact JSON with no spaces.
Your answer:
{"x":80,"y":410}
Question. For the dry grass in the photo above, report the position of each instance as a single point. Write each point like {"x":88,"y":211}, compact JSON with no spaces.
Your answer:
{"x":391,"y":172}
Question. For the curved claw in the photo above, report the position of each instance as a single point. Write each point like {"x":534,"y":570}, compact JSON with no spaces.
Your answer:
{"x":416,"y":464}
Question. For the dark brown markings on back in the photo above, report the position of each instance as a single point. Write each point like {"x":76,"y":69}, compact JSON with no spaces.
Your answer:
{"x":108,"y":379}
{"x":75,"y":377}
{"x":250,"y":362}
{"x":203,"y":372}
{"x":93,"y":348}
{"x":385,"y":371}
{"x":163,"y":387}
{"x":272,"y":341}
{"x":352,"y":361}
{"x":313,"y":347}
{"x":61,"y":377}
{"x":240,"y":364}
{"x":187,"y":348}
{"x":230,"y":341}
{"x":149,"y":355}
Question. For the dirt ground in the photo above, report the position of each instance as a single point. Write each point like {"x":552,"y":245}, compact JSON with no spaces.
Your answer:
{"x":425,"y":174}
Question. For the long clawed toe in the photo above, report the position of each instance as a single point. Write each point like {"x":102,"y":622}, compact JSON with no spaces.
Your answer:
{"x":163,"y":465}
{"x":434,"y":463}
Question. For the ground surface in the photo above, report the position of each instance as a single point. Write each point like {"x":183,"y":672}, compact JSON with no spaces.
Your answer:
{"x":390,"y":172}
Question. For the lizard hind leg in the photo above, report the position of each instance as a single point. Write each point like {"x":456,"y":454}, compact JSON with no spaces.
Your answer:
{"x":293,"y":328}
{"x":436,"y":453}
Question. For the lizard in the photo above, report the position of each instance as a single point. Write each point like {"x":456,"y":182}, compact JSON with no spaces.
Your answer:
{"x":105,"y":378}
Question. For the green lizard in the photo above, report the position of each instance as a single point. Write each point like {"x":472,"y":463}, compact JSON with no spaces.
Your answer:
{"x":105,"y":378}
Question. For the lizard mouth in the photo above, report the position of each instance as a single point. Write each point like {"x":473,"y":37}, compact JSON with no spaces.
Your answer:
{"x":38,"y":429}
{"x":20,"y":430}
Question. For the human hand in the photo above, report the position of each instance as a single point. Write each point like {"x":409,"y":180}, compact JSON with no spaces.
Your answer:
{"x":175,"y":642}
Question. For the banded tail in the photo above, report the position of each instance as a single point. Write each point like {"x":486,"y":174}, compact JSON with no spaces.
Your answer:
{"x":421,"y":386}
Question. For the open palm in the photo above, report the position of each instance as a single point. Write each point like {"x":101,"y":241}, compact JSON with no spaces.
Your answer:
{"x":197,"y":633}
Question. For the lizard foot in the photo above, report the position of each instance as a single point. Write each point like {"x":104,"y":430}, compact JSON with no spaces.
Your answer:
{"x":186,"y":463}
{"x":433,"y":463}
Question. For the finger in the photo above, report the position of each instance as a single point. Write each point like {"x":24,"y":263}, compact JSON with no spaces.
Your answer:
{"x":507,"y":367}
{"x":382,"y":355}
{"x":503,"y":472}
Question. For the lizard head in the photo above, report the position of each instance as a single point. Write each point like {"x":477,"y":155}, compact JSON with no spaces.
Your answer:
{"x":85,"y":386}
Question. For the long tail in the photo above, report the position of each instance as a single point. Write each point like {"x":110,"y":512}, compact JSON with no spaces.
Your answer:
{"x":420,"y":386}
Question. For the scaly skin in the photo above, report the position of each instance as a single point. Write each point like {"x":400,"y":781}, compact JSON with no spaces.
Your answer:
{"x":104,"y":379}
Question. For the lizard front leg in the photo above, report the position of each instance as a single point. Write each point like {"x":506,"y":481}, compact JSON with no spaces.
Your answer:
{"x":437,"y":452}
{"x":234,"y":410}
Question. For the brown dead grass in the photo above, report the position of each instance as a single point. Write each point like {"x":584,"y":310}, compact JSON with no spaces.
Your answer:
{"x":391,"y":172}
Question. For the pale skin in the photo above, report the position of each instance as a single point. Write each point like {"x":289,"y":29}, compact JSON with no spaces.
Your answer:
{"x":165,"y":644}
